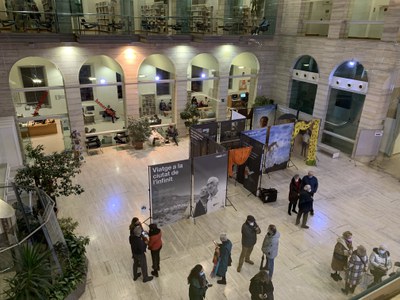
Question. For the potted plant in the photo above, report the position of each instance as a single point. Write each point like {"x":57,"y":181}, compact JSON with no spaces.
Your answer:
{"x":190,"y":115}
{"x":262,"y":101}
{"x":139,"y":131}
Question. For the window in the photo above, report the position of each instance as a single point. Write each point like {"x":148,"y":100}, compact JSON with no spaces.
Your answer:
{"x":119,"y":87}
{"x":230,"y":82}
{"x":85,"y":75}
{"x":197,"y":86}
{"x":34,"y":77}
{"x":162,"y":88}
{"x":302,"y":97}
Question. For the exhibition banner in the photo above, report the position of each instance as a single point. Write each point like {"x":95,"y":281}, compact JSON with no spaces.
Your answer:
{"x":230,"y":130}
{"x":209,"y":130}
{"x":210,"y":180}
{"x":263,"y":116}
{"x":249,"y":173}
{"x":198,"y":143}
{"x":279,"y":146}
{"x":170,"y":191}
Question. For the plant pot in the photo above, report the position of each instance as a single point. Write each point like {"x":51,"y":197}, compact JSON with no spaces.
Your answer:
{"x":138,"y":145}
{"x":80,"y":288}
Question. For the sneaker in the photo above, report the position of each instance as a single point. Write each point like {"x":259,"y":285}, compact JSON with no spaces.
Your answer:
{"x":305,"y":226}
{"x":150,"y":278}
{"x":137,"y":276}
{"x":250,"y":262}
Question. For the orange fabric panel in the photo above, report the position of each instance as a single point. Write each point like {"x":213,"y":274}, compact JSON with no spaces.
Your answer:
{"x":238,"y":157}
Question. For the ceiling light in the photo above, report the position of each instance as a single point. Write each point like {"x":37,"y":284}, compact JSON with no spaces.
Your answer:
{"x":36,"y":80}
{"x":241,"y":67}
{"x":142,"y":75}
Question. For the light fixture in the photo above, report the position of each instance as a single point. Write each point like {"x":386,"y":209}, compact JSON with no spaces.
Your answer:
{"x":92,"y":78}
{"x":6,"y":210}
{"x":102,"y":81}
{"x":36,"y":80}
{"x":352,"y":63}
{"x":241,"y":67}
{"x":142,"y":75}
{"x":203,"y":75}
{"x":157,"y":77}
{"x":306,"y":65}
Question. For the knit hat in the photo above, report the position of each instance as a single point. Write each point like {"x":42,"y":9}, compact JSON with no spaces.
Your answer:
{"x":250,"y":218}
{"x":361,"y":250}
{"x":223,"y":237}
{"x":137,"y":231}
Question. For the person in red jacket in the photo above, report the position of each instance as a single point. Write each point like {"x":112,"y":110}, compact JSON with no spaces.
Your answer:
{"x":155,"y":245}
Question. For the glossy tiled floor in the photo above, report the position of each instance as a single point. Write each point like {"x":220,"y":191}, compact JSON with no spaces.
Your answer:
{"x":351,"y":197}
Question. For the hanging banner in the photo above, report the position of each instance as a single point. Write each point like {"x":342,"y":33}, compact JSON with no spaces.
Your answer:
{"x":237,"y":116}
{"x":263,"y":116}
{"x":210,"y":180}
{"x":230,"y":130}
{"x":170,"y":191}
{"x":249,"y":173}
{"x":279,"y":146}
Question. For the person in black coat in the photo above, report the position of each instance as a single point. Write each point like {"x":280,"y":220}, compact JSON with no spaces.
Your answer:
{"x":250,"y":230}
{"x":294,"y":193}
{"x":138,"y":248}
{"x":305,"y":206}
{"x":312,"y":181}
{"x":261,"y":286}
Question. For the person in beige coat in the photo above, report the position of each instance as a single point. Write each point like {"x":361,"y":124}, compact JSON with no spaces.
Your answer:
{"x":341,"y":253}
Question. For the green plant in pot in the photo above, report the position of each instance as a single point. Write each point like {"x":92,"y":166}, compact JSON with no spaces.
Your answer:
{"x":190,"y":115}
{"x":139,"y":131}
{"x":262,"y":101}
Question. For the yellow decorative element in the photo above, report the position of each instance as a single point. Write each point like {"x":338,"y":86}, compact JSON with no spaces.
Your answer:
{"x":312,"y":146}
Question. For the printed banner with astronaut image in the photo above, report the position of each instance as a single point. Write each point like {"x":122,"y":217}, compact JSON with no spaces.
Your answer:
{"x":210,"y":180}
{"x":170,"y":191}
{"x":278,"y":150}
{"x":263,"y":116}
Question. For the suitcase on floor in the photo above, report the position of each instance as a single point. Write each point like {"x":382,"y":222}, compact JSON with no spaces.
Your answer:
{"x":268,"y":195}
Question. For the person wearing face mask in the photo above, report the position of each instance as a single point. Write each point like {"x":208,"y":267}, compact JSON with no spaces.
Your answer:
{"x":270,"y":247}
{"x":250,"y":230}
{"x":305,"y":206}
{"x":356,"y":267}
{"x":198,"y":283}
{"x":312,"y":181}
{"x":379,"y":262}
{"x":294,"y":193}
{"x":224,"y":259}
{"x":341,"y":253}
{"x":261,"y":286}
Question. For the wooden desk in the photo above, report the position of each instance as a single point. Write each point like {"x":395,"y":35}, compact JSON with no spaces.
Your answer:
{"x":42,"y":129}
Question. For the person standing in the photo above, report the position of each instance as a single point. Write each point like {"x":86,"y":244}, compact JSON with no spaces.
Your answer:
{"x":198,"y":284}
{"x":261,"y":286}
{"x":380,"y":263}
{"x":305,"y":140}
{"x":270,"y":247}
{"x":356,"y":268}
{"x":155,"y":245}
{"x":138,"y":248}
{"x":225,"y":250}
{"x":294,"y":193}
{"x":341,"y":253}
{"x":312,"y":181}
{"x":305,"y":206}
{"x":250,"y":230}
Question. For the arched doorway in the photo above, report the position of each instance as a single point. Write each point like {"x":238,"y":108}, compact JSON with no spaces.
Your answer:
{"x":243,"y":75}
{"x":39,"y":99}
{"x":102,"y":95}
{"x":202,"y":85}
{"x":348,"y":87}
{"x":156,"y":88}
{"x":305,"y":78}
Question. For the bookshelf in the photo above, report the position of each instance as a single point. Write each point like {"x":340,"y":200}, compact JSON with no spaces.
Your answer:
{"x":202,"y":18}
{"x":154,"y":17}
{"x":105,"y":14}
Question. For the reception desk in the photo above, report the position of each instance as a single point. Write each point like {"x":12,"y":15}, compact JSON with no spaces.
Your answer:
{"x":42,"y":129}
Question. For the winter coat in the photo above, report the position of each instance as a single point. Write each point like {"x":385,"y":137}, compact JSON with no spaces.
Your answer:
{"x":305,"y":201}
{"x":341,"y":253}
{"x":356,"y":268}
{"x":258,"y":287}
{"x":197,"y":290}
{"x":249,"y":234}
{"x":155,"y":242}
{"x":313,"y":182}
{"x":225,"y":250}
{"x":138,"y":246}
{"x":377,"y":261}
{"x":294,"y":190}
{"x":270,"y":245}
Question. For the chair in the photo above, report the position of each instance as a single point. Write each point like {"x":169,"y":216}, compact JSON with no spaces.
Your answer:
{"x":89,"y":25}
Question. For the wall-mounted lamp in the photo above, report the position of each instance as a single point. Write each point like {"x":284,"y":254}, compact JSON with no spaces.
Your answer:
{"x":102,"y":81}
{"x":203,"y":75}
{"x":157,"y":77}
{"x":352,"y":63}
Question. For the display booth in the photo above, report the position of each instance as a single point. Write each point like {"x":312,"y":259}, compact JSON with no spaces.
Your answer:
{"x":312,"y":126}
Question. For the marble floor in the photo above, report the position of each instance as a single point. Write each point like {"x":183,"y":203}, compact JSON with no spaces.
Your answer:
{"x":352,"y":196}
